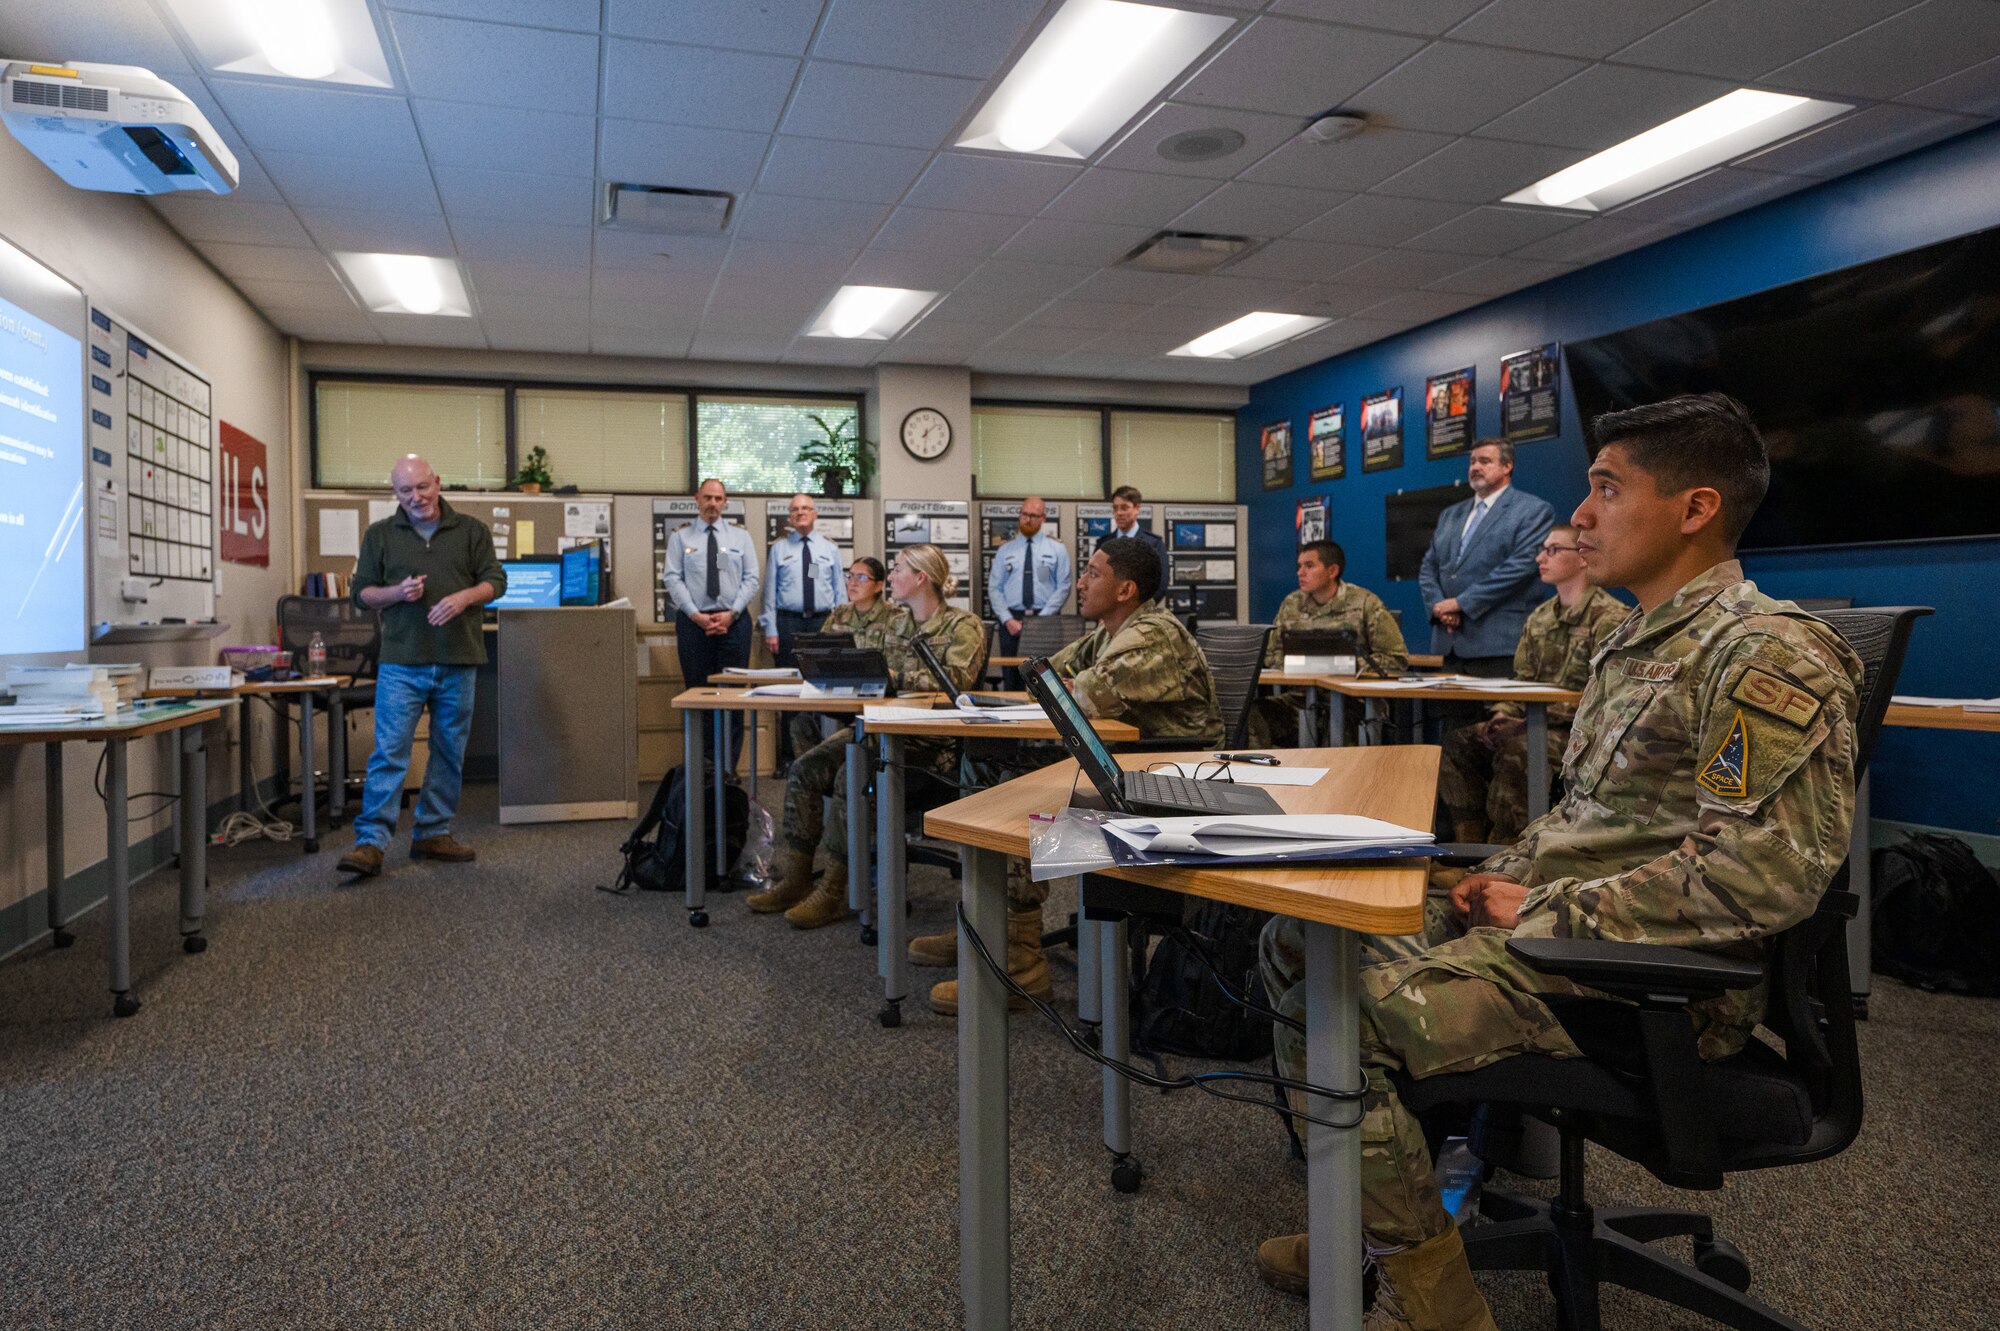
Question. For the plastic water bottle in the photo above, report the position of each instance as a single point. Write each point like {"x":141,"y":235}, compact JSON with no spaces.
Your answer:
{"x":316,"y":656}
{"x":1458,"y":1176}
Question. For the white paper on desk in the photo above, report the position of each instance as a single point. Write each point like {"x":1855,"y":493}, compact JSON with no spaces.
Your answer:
{"x":776,"y":691}
{"x":1250,"y":774}
{"x":1017,"y":712}
{"x":339,"y":532}
{"x":762,"y":672}
{"x":891,"y":712}
{"x":1261,"y":834}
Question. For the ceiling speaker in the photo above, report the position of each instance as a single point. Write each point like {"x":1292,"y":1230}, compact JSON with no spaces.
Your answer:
{"x":1200,"y":145}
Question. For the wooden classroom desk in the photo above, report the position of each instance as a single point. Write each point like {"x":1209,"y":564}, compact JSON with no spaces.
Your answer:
{"x":307,"y":691}
{"x":1398,"y":784}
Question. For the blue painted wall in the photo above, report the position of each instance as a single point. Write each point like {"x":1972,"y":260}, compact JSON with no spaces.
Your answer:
{"x":1949,"y":780}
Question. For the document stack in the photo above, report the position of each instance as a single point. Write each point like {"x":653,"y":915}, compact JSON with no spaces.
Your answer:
{"x":40,"y":695}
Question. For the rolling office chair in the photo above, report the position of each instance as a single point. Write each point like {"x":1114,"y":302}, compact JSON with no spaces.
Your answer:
{"x":1235,"y":655}
{"x":353,"y":638}
{"x":1044,"y":635}
{"x":1816,"y":604}
{"x":1642,"y":1092}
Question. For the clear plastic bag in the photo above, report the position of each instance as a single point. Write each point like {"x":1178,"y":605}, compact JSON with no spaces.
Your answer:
{"x":1068,"y":843}
{"x":753,"y":865}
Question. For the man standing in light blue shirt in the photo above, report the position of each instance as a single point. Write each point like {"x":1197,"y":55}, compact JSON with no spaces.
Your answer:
{"x":804,"y":579}
{"x":1030,"y":576}
{"x":711,"y":578}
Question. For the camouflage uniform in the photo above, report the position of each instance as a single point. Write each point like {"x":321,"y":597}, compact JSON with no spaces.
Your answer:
{"x":1481,"y":776}
{"x":1710,"y":790}
{"x":1275,"y":718}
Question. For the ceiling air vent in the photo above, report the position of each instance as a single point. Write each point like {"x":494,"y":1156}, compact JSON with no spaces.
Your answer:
{"x":665,"y":210}
{"x":1187,"y":252}
{"x":1199,"y":145}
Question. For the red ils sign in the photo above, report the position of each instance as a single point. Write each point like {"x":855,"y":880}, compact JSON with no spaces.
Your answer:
{"x":245,"y":510}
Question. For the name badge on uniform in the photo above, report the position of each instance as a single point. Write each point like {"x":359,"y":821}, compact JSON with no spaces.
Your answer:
{"x":1649,"y":671}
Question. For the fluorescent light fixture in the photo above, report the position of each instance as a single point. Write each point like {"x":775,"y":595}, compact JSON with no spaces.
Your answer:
{"x":1097,"y":64}
{"x":874,"y":313}
{"x":405,"y":283}
{"x":328,"y":41}
{"x":1719,"y":131}
{"x":1249,"y":335}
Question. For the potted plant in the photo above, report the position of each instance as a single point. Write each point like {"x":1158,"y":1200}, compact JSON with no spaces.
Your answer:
{"x":839,"y":459}
{"x":534,"y":472}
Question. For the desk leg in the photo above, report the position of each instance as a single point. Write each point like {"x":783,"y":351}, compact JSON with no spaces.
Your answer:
{"x":892,"y":927}
{"x":1089,"y":987}
{"x":194,"y":836}
{"x":52,"y":840}
{"x":722,"y":756}
{"x":750,"y":738}
{"x":1308,"y":715}
{"x":246,"y":764}
{"x":858,"y":877}
{"x":336,"y":759}
{"x":1538,"y":760}
{"x":1861,"y":882}
{"x":1114,"y":968}
{"x":1333,"y":1156}
{"x":984,"y":1252}
{"x":308,"y":782}
{"x":694,"y":818}
{"x":118,"y":938}
{"x":1336,"y":720}
{"x":1370,"y":732}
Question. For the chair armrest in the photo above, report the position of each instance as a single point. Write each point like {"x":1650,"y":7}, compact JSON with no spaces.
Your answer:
{"x":1646,"y":972}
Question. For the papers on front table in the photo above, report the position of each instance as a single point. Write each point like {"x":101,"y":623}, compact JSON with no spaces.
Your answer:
{"x":765,"y":672}
{"x":1263,"y":834}
{"x":776,"y":691}
{"x":1020,"y":712}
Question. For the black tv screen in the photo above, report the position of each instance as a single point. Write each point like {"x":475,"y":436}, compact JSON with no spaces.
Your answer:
{"x":1411,"y":519}
{"x":1877,"y":389}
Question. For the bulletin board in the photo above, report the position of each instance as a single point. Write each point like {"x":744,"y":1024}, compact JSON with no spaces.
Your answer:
{"x":1093,"y":524}
{"x":1202,"y":541}
{"x":944,"y":523}
{"x":521,"y":524}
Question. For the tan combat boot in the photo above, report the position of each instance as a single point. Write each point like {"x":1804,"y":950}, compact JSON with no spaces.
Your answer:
{"x":935,"y":949}
{"x":1025,"y":964}
{"x":791,"y":881}
{"x":1428,"y":1288}
{"x":827,"y":904}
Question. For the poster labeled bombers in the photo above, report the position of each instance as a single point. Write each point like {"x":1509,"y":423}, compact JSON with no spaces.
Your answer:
{"x":1326,"y":442}
{"x":1448,"y":414}
{"x":1277,"y":445}
{"x":1382,"y":430}
{"x":1531,"y":393}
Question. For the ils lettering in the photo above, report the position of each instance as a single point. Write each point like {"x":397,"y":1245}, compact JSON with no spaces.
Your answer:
{"x":1724,"y":772}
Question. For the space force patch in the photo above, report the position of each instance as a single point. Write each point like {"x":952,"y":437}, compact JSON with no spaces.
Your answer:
{"x":1726,"y":771}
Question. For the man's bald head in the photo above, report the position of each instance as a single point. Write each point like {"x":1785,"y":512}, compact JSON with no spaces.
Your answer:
{"x":416,"y":487}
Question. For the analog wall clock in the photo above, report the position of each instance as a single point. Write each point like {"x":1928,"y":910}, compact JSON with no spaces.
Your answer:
{"x":926,"y":434}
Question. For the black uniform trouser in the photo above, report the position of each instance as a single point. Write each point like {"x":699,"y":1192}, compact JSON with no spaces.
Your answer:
{"x":703,"y":654}
{"x":791,"y":623}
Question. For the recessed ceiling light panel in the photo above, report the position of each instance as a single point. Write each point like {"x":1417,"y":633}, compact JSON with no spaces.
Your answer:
{"x":873,"y":314}
{"x":405,"y":283}
{"x":1249,"y":335}
{"x":1097,"y":64}
{"x":326,"y":41}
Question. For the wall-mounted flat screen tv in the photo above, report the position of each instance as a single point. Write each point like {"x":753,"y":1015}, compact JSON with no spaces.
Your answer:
{"x":1877,"y":389}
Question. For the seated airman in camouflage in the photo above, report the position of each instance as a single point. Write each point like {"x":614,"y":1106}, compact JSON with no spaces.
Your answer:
{"x":871,"y":618}
{"x":1139,"y":665}
{"x":1324,"y":600}
{"x":1485,"y":771}
{"x":1709,"y":794}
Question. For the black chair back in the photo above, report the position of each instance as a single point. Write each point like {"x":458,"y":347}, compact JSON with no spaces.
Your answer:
{"x":1235,"y":655}
{"x":1819,"y":603}
{"x":353,"y":636}
{"x":1044,"y":635}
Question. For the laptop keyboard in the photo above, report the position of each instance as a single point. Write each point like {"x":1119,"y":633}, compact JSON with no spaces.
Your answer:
{"x":1165,"y":788}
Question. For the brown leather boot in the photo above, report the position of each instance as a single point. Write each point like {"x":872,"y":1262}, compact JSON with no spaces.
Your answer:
{"x":827,"y":904}
{"x":443,"y":847}
{"x":935,"y":950}
{"x":363,"y":860}
{"x":1025,"y":963}
{"x":1429,"y":1288}
{"x":1281,"y":1264}
{"x":791,"y":882}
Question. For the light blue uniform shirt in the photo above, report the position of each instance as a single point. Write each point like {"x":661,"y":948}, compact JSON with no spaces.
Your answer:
{"x":1008,"y":582}
{"x":686,"y":574}
{"x":785,"y":584}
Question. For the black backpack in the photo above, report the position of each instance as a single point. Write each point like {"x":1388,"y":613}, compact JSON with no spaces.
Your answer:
{"x":1179,"y":1008}
{"x":654,"y":859}
{"x":1935,"y":921}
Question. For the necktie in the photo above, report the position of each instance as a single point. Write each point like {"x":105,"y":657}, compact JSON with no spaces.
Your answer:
{"x":1472,"y":524}
{"x":812,"y":601}
{"x":714,"y":567}
{"x":1034,"y":580}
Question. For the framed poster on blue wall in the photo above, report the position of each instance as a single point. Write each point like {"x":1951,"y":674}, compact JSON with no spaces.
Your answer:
{"x":1531,"y":393}
{"x":1276,"y":441}
{"x":1382,"y":430}
{"x":1448,"y":414}
{"x":1326,"y":442}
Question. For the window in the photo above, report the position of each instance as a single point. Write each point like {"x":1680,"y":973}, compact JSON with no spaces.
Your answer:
{"x":752,"y":444}
{"x":361,"y":429}
{"x":1053,"y":451}
{"x":1175,"y":455}
{"x":606,"y":442}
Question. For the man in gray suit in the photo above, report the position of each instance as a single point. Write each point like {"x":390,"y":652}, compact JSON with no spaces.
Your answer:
{"x":1479,"y":577}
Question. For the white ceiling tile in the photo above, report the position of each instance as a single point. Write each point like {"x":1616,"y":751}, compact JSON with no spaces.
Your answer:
{"x":114,"y":32}
{"x":1365,"y":160}
{"x":327,"y":295}
{"x":1403,"y":268}
{"x":513,"y":305}
{"x":234,"y":221}
{"x":1426,"y":17}
{"x":995,"y":310}
{"x":252,"y":184}
{"x":887,"y":106}
{"x":826,"y":169}
{"x":521,"y":242}
{"x":1454,"y":88}
{"x":1873,"y":134}
{"x":1099,"y":315}
{"x":1379,"y":219}
{"x":572,"y":15}
{"x":1043,"y":340}
{"x":1135,"y":198}
{"x":1139,"y":149}
{"x":753,"y":323}
{"x":1496,"y":277}
{"x":537,"y":335}
{"x":721,"y":346}
{"x":516,"y":196}
{"x":1293,"y":68}
{"x":1478,"y":170}
{"x":916,"y":272}
{"x":1918,"y":46}
{"x":969,"y":39}
{"x":676,"y":315}
{"x":775,"y":263}
{"x":540,"y":279}
{"x":939,"y":231}
{"x":1973,"y":92}
{"x":461,"y":61}
{"x":428,"y":330}
{"x":313,"y":181}
{"x":498,"y":138}
{"x":782,"y":26}
{"x":642,"y":251}
{"x":662,"y":345}
{"x":1221,"y":291}
{"x":1144,"y":341}
{"x":1493,"y":230}
{"x":717,"y":159}
{"x":807,"y":221}
{"x":696,"y":85}
{"x":296,"y":117}
{"x":1742,"y":39}
{"x":1299,"y":260}
{"x":1129,"y":284}
{"x":936,"y":332}
{"x":1597,"y":239}
{"x":1605,"y":104}
{"x":251,"y":263}
{"x":324,"y":325}
{"x":983,"y":182}
{"x":386,"y":233}
{"x":1337,"y":299}
{"x":1712,"y":195}
{"x":1049,"y":240}
{"x":1027,"y":279}
{"x":1255,"y":209}
{"x":1588,"y":28}
{"x":831,"y":351}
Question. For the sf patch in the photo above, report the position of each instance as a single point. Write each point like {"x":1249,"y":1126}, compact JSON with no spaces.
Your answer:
{"x":1726,"y":770}
{"x":1776,"y":697}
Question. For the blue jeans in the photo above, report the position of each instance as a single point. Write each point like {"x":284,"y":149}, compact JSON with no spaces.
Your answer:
{"x":401,"y":694}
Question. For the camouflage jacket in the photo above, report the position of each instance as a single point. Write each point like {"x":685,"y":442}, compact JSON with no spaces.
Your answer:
{"x":1557,"y":645}
{"x":958,"y":637}
{"x":1710,"y":786}
{"x":1351,"y":607}
{"x":1151,"y":674}
{"x":872,"y":627}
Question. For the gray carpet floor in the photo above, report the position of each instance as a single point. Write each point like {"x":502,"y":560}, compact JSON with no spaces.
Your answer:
{"x":488,"y":1096}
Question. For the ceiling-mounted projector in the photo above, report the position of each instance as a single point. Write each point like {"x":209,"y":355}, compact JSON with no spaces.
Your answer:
{"x":114,"y":127}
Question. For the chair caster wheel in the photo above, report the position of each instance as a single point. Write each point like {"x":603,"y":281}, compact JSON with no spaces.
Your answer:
{"x":1719,"y":1259}
{"x":312,"y":847}
{"x":891,"y":1014}
{"x":123,"y":1005}
{"x":194,"y":943}
{"x":868,"y":935}
{"x":698,"y":919}
{"x":61,"y":938}
{"x":1126,"y":1173}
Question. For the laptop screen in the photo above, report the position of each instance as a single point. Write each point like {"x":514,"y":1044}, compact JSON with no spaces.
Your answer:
{"x":1081,"y":740}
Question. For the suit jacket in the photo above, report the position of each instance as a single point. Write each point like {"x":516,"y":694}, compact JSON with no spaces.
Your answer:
{"x":1151,"y":540}
{"x":1494,"y":577}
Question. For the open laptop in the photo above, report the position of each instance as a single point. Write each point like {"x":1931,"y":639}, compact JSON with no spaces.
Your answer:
{"x":943,"y":678}
{"x":847,"y":672}
{"x":1135,"y":792}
